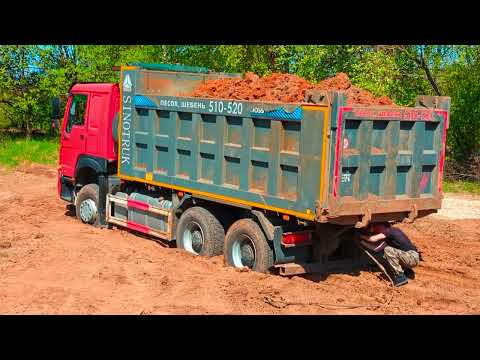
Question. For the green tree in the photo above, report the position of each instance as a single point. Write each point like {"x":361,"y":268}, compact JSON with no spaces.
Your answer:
{"x":19,"y":79}
{"x":30,"y":76}
{"x":461,"y":81}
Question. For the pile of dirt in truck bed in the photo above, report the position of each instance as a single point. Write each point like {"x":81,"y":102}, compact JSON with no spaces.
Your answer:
{"x":284,"y":88}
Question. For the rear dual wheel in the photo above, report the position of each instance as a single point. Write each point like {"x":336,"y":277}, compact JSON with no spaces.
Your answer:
{"x":244,"y":246}
{"x":247,"y":246}
{"x":200,"y":232}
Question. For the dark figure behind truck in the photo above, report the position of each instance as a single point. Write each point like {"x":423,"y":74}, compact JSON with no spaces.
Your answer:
{"x":399,"y":252}
{"x":55,"y":128}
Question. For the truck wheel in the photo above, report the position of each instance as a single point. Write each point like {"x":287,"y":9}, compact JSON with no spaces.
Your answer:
{"x":247,"y":246}
{"x":199,"y":232}
{"x":86,"y":206}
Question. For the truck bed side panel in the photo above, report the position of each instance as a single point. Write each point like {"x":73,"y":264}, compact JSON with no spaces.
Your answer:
{"x":253,"y":154}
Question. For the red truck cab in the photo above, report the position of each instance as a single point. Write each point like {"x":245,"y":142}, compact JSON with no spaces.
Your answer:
{"x":88,"y":151}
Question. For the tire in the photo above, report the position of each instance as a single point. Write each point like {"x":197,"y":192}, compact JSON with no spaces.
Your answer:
{"x":86,"y":195}
{"x":200,"y":232}
{"x":244,"y":238}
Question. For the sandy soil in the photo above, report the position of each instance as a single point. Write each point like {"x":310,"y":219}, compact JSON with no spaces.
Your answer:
{"x":52,"y":264}
{"x":460,"y":206}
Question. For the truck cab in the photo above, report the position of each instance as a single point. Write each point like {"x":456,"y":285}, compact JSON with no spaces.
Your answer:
{"x":88,"y":151}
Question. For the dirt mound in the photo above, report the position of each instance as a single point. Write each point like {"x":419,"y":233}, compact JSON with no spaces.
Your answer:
{"x":284,"y":88}
{"x":276,"y":87}
{"x":341,"y":81}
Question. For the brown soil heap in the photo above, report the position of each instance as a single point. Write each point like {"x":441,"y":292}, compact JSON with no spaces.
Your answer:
{"x":285,"y":88}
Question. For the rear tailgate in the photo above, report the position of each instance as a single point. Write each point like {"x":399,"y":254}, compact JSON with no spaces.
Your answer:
{"x":386,"y":160}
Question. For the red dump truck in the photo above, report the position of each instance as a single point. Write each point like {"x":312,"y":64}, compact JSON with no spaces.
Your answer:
{"x":269,"y":185}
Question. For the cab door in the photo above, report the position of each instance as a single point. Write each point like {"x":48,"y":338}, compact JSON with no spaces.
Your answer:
{"x":96,"y":122}
{"x":73,"y":133}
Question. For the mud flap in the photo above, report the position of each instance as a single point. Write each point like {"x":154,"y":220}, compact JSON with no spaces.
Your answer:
{"x":66,"y":190}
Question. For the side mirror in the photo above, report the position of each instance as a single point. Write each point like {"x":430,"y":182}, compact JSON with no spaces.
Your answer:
{"x":56,"y":108}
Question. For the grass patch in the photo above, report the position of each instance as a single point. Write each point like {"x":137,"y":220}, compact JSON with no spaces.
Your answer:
{"x":16,"y":149}
{"x":471,"y":187}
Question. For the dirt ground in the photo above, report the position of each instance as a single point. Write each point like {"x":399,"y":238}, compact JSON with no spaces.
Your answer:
{"x":52,"y":264}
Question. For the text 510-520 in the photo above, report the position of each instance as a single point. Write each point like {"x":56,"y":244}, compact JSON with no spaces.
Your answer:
{"x":231,"y":107}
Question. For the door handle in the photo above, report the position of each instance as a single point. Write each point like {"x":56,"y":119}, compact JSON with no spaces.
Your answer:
{"x":82,"y":137}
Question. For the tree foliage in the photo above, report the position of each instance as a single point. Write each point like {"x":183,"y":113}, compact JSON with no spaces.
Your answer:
{"x":30,"y":76}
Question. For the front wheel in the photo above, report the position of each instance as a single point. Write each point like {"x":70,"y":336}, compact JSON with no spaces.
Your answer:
{"x":247,"y":246}
{"x":86,"y":204}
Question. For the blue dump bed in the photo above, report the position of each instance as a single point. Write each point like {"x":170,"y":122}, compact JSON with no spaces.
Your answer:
{"x":322,"y":161}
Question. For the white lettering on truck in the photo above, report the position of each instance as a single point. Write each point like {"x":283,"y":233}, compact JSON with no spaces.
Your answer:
{"x":229,"y":107}
{"x":126,"y":123}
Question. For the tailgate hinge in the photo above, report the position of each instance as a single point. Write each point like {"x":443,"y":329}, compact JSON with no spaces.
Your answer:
{"x":321,"y":213}
{"x":412,"y":215}
{"x":365,"y":219}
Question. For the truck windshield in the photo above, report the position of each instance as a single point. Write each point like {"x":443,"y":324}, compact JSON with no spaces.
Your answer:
{"x":76,"y":114}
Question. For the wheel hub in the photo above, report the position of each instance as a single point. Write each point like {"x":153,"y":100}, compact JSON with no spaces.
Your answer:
{"x":197,"y":241}
{"x":244,"y":253}
{"x":88,"y":210}
{"x":193,"y":238}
